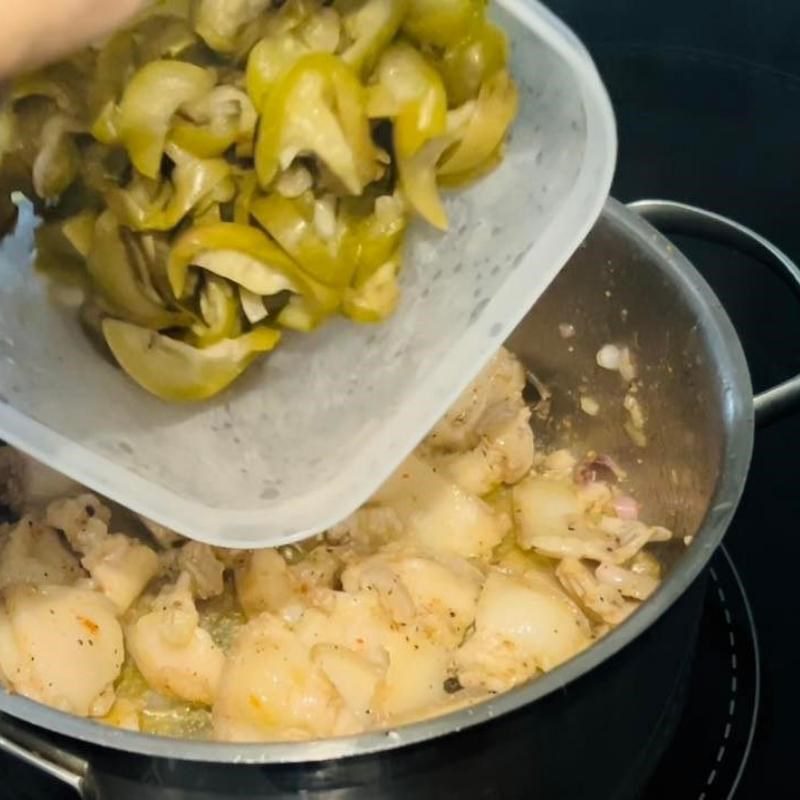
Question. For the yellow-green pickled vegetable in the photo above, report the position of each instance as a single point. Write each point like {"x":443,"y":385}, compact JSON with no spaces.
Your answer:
{"x":219,"y":22}
{"x":443,"y":22}
{"x":495,"y":110}
{"x":313,"y":244}
{"x":219,"y":307}
{"x":193,"y":181}
{"x":151,"y":99}
{"x":225,"y":169}
{"x":249,"y":258}
{"x":111,"y":268}
{"x":410,"y":91}
{"x":221,"y":119}
{"x":470,"y":62}
{"x":318,"y":108}
{"x":176,"y":371}
{"x":376,"y":299}
{"x":371,"y":26}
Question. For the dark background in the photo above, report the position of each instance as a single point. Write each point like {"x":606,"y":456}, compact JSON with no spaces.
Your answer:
{"x":707,"y":96}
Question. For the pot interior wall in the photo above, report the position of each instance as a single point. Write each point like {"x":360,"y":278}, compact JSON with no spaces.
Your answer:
{"x":615,"y":292}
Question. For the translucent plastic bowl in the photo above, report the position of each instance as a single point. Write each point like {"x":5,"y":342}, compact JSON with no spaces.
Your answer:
{"x":310,"y":433}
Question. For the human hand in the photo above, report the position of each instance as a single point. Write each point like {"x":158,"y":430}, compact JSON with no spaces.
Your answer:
{"x":34,"y":32}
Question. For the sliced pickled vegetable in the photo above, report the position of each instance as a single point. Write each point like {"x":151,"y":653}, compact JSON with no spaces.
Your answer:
{"x":296,"y":232}
{"x":223,"y":118}
{"x":219,"y":307}
{"x":110,"y":267}
{"x":116,"y":64}
{"x":410,"y":90}
{"x":269,"y":61}
{"x":376,"y":299}
{"x":147,"y":206}
{"x":162,"y":36}
{"x":151,"y":99}
{"x":318,"y":108}
{"x":253,"y":306}
{"x":219,"y":22}
{"x":371,"y":26}
{"x":248,"y":272}
{"x":300,"y":316}
{"x":249,"y":258}
{"x":58,"y":161}
{"x":472,"y":61}
{"x":225,"y":163}
{"x":57,"y":258}
{"x":248,"y":184}
{"x":495,"y":111}
{"x":176,"y":371}
{"x":63,"y":84}
{"x":370,"y":241}
{"x":79,"y":232}
{"x":443,"y":22}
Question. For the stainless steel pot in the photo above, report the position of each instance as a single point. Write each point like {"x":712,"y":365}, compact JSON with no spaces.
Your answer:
{"x":627,"y":284}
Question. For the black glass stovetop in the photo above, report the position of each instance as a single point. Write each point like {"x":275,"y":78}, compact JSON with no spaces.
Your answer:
{"x":707,"y":95}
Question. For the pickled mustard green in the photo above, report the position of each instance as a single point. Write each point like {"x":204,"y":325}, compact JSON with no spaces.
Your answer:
{"x":224,"y":170}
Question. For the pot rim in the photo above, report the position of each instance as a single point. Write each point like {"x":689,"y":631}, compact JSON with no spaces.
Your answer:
{"x":739,"y":415}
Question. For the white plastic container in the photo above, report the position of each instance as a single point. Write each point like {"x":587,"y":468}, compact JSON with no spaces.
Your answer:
{"x":312,"y":432}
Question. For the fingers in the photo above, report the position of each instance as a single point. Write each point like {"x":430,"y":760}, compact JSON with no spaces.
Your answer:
{"x":34,"y":32}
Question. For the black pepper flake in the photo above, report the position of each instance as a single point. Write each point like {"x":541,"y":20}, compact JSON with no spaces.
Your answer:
{"x":453,"y":685}
{"x":90,"y":511}
{"x":452,"y":615}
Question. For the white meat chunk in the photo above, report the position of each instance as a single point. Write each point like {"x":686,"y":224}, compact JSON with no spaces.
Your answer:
{"x":502,"y":380}
{"x":205,"y":569}
{"x":33,"y":553}
{"x":266,"y":582}
{"x":545,"y":508}
{"x":439,"y":515}
{"x":414,"y":665}
{"x":62,"y":646}
{"x":271,"y":689}
{"x":120,"y":566}
{"x":522,"y":626}
{"x":263,"y":583}
{"x":503,"y":455}
{"x":604,"y":601}
{"x":438,"y":595}
{"x":173,"y":653}
{"x":368,"y":528}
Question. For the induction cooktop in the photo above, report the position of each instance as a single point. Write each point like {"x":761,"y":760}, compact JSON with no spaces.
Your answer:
{"x":707,"y":96}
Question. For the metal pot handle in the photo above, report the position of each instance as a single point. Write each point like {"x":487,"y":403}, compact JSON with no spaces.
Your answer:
{"x":23,"y":743}
{"x":672,"y":217}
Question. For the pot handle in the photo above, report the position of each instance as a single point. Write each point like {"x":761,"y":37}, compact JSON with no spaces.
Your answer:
{"x":671,"y":217}
{"x":24,"y":744}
